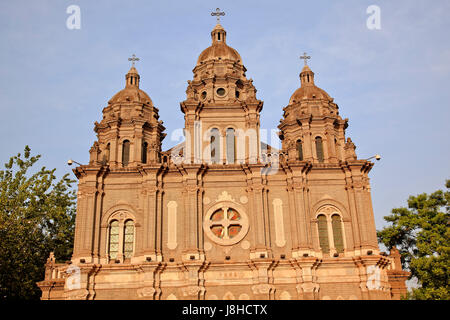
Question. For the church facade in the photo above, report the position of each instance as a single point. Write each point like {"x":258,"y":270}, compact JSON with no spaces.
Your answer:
{"x":223,"y":215}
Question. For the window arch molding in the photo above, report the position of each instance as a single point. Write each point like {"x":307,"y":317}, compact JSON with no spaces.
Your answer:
{"x":128,"y":210}
{"x":212,"y":127}
{"x":330,"y":202}
{"x":121,"y":218}
{"x":330,"y":212}
{"x":122,"y":213}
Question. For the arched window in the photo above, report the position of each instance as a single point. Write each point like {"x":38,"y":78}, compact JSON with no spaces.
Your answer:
{"x":337,"y":233}
{"x":231,"y":146}
{"x":144,"y":152}
{"x":113,"y":239}
{"x":319,"y":149}
{"x":299,"y":150}
{"x":125,"y":153}
{"x":108,"y":151}
{"x":323,"y":233}
{"x":128,"y":239}
{"x":215,"y":145}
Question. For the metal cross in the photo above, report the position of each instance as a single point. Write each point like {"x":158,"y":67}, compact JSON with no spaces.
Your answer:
{"x":133,"y":59}
{"x":305,"y":57}
{"x":218,"y":14}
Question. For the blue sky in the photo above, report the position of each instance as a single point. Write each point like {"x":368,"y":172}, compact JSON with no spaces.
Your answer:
{"x":393,"y":83}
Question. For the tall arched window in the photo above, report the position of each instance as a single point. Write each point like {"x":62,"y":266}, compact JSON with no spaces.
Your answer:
{"x":128,"y":239}
{"x":108,"y":151}
{"x":144,"y":152}
{"x":125,"y":153}
{"x":323,"y":233}
{"x":231,"y":146}
{"x":319,"y":149}
{"x":215,"y":145}
{"x":299,"y":150}
{"x":337,"y":233}
{"x":113,"y":239}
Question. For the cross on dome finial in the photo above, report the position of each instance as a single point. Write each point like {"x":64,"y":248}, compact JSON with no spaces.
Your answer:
{"x":133,"y":59}
{"x":218,"y":14}
{"x":305,"y":57}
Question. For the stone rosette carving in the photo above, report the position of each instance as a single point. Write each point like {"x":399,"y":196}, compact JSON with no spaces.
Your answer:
{"x":146,"y":292}
{"x":192,"y":290}
{"x":81,"y":294}
{"x":263,"y":288}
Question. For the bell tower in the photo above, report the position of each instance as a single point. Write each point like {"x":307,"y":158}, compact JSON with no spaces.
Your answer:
{"x":311,"y":128}
{"x":130,"y":132}
{"x":221,"y":111}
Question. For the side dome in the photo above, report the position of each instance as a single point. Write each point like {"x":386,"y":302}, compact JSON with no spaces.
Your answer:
{"x":219,"y":48}
{"x":312,"y":92}
{"x":131,"y":95}
{"x":131,"y":92}
{"x":308,"y":90}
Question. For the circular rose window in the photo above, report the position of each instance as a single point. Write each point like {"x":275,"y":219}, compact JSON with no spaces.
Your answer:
{"x":225,"y":225}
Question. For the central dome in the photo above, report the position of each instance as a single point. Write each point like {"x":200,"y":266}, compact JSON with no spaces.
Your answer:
{"x":219,"y":48}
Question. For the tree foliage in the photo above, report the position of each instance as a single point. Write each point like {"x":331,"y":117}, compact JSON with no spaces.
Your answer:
{"x":421,"y":232}
{"x":37,"y":215}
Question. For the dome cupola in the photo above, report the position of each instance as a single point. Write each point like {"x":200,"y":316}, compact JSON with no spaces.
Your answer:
{"x":131,"y":92}
{"x":219,"y":50}
{"x":308,"y":89}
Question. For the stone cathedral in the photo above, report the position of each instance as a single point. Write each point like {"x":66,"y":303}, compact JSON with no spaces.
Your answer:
{"x":223,"y":215}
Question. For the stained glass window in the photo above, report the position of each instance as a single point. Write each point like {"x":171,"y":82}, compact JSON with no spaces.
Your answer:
{"x":225,"y":223}
{"x":218,"y":231}
{"x":233,"y":215}
{"x":113,"y":239}
{"x":233,"y":230}
{"x":217,"y":216}
{"x":323,"y":234}
{"x":337,"y":233}
{"x":128,"y":241}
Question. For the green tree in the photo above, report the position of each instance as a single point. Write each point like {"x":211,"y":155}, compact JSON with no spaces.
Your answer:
{"x":421,"y":233}
{"x":37,"y":215}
